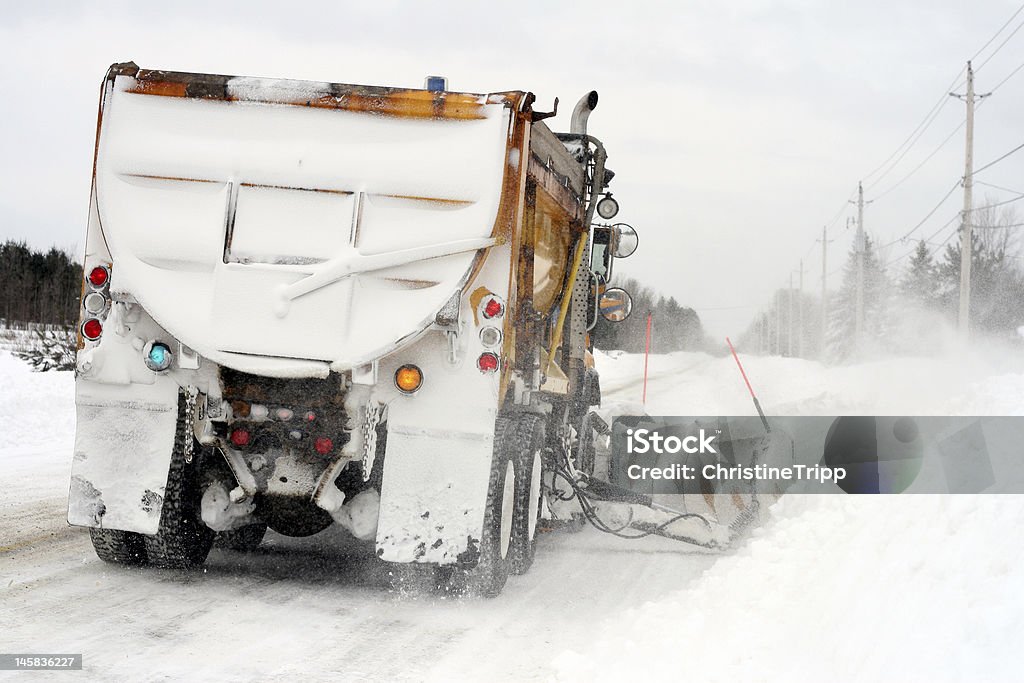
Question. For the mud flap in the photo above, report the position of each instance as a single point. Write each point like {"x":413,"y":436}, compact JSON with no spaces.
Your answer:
{"x":433,"y":494}
{"x":123,"y":446}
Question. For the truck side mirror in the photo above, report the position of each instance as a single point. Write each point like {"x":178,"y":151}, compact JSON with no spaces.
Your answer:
{"x":616,"y":304}
{"x":625,"y":240}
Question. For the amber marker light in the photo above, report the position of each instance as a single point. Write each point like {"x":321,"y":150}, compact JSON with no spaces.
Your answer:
{"x":408,"y":378}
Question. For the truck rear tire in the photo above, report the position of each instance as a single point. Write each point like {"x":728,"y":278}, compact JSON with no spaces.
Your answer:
{"x":182,"y":540}
{"x":118,"y":547}
{"x":527,"y":449}
{"x":489,"y":575}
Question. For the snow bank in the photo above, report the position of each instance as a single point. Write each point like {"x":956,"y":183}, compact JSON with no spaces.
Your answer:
{"x":838,"y":589}
{"x":34,"y":407}
{"x":832,"y":588}
{"x":688,"y":383}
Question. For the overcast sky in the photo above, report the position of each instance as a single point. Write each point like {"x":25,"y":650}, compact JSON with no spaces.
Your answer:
{"x":737,"y":129}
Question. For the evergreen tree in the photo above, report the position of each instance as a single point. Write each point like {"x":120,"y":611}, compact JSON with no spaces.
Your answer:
{"x":54,"y":350}
{"x":674,"y":328}
{"x":921,"y":282}
{"x":38,"y":287}
{"x":842,"y":337}
{"x":997,"y":284}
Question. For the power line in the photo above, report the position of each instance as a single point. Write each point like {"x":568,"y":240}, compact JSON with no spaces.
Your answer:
{"x":932,"y":212}
{"x":944,"y":99}
{"x":841,"y":211}
{"x":894,"y":159}
{"x":923,"y":161}
{"x":997,"y":187}
{"x":998,"y":227}
{"x":996,"y":34}
{"x":1005,"y":41}
{"x":927,"y":240}
{"x":1008,"y":77}
{"x":915,"y":135}
{"x":933,"y":113}
{"x":1002,"y":203}
{"x":996,"y":161}
{"x":943,"y":242}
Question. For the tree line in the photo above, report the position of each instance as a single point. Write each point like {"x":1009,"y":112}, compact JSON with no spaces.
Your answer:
{"x":674,"y":327}
{"x":907,"y":308}
{"x":37,"y":286}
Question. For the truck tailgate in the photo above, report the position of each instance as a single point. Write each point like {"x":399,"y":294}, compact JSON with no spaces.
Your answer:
{"x":288,"y":219}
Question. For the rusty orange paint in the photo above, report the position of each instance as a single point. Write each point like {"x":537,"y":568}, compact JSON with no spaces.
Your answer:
{"x":162,"y":88}
{"x":405,"y":103}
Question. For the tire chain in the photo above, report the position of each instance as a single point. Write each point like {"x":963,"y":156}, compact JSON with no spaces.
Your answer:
{"x":190,"y":411}
{"x":371,"y":419}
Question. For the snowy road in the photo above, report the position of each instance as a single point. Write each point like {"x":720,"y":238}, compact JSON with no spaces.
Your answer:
{"x":320,"y":605}
{"x":295,"y":605}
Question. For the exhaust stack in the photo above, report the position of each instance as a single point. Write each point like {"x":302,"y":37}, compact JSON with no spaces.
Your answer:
{"x":587,"y":104}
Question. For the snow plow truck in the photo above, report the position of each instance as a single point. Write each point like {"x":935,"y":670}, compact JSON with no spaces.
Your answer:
{"x":308,"y":304}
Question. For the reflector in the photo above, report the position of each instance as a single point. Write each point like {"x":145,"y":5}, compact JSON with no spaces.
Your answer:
{"x":95,"y":303}
{"x":92,"y":329}
{"x":490,"y":336}
{"x":159,"y":357}
{"x":493,"y":307}
{"x":408,"y":378}
{"x":240,"y":437}
{"x":98,"y":276}
{"x":487,"y":362}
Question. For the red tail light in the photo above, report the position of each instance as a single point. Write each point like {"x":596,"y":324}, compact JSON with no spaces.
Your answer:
{"x":240,"y":437}
{"x":92,"y":329}
{"x":493,"y":307}
{"x":98,"y":276}
{"x":487,"y":362}
{"x":323,"y":445}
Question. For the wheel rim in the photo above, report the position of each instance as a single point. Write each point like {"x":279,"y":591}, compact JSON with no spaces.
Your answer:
{"x":534,"y":501}
{"x":508,"y":498}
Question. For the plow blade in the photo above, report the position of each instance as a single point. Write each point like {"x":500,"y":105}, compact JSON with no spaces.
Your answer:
{"x":705,"y":511}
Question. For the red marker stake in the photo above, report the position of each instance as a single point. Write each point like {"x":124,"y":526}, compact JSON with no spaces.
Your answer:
{"x":647,"y":354}
{"x":757,"y":404}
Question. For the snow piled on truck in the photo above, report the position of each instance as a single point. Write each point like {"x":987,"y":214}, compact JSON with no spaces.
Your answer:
{"x":251,"y":230}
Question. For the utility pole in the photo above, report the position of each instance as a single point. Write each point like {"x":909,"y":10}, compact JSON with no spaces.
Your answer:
{"x":789,"y":321}
{"x":859,"y":325}
{"x":966,"y":242}
{"x":824,"y":287}
{"x":800,"y":314}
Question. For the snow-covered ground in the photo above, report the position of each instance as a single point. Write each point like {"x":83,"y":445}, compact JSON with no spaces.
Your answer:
{"x":829,"y":588}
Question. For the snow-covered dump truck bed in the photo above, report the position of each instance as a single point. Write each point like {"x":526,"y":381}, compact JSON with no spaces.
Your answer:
{"x":258,"y":220}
